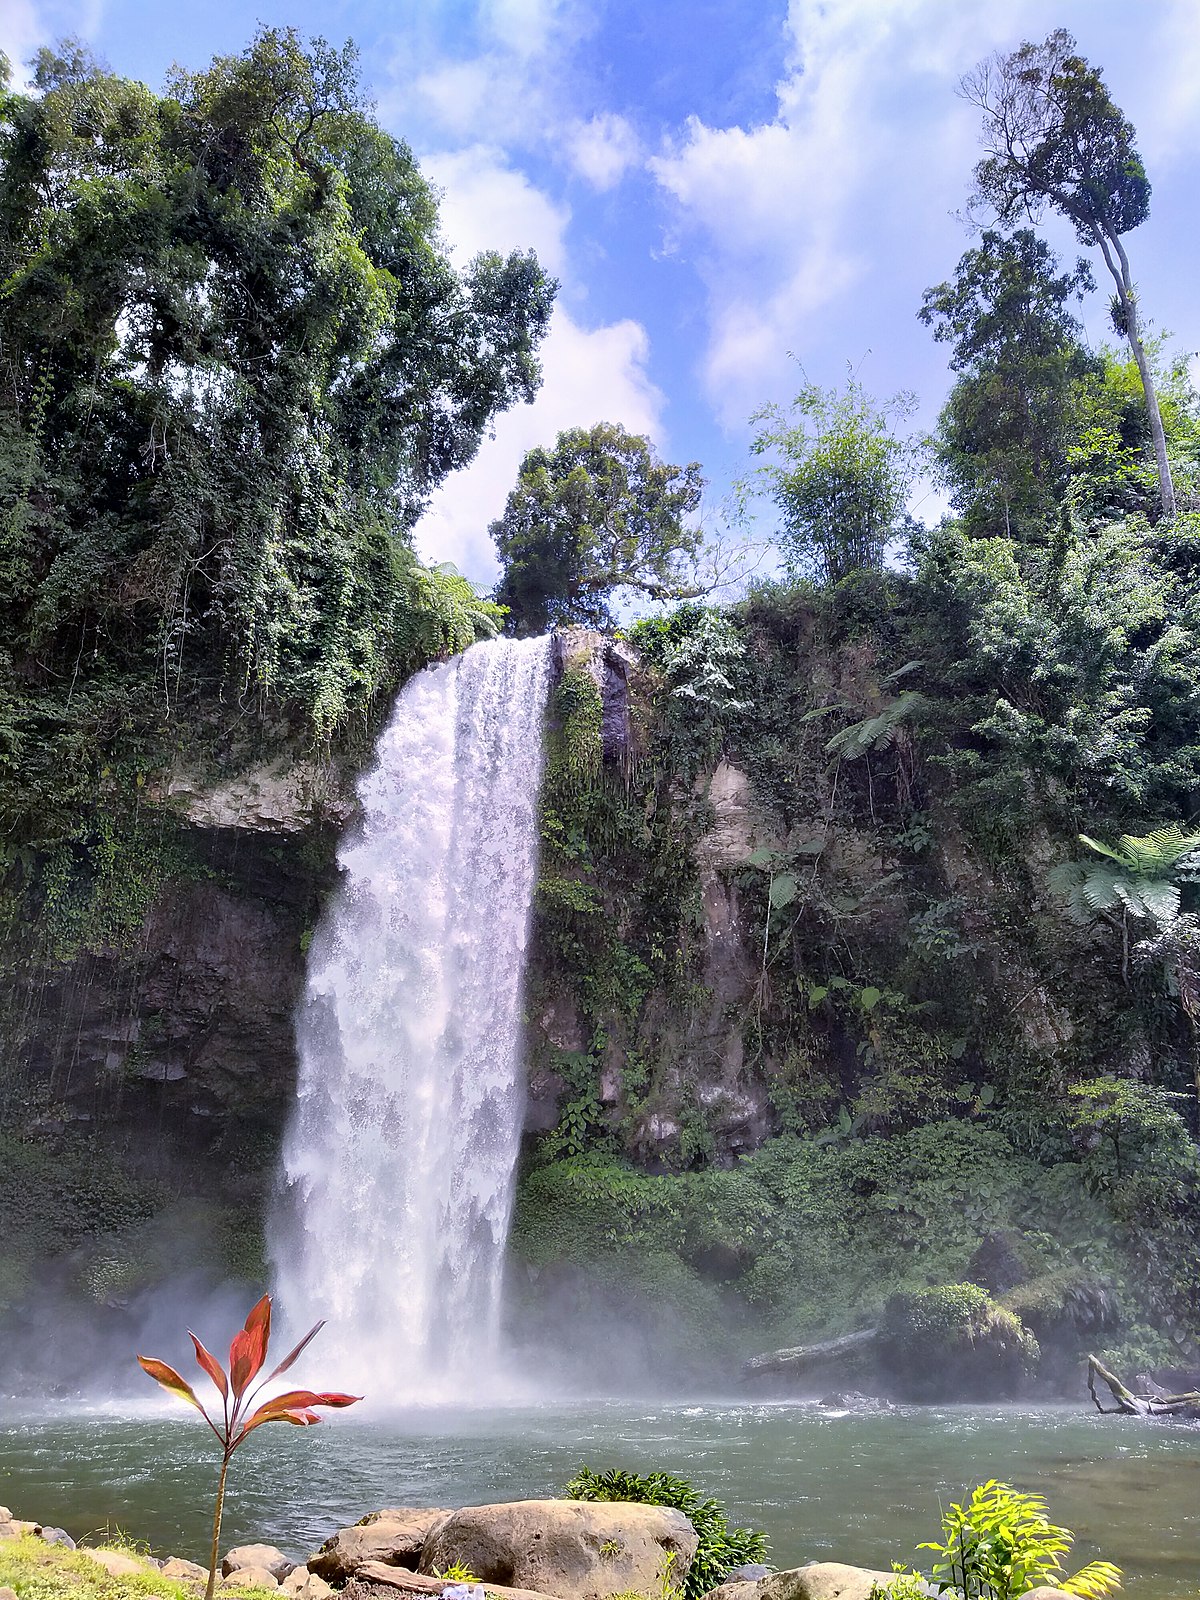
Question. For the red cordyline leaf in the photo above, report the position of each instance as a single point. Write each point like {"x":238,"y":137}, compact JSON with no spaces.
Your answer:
{"x":290,"y":1358}
{"x":170,"y":1379}
{"x":249,"y":1348}
{"x":295,"y":1406}
{"x":210,"y":1365}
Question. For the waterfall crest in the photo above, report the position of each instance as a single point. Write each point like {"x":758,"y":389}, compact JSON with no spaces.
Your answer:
{"x":401,"y":1149}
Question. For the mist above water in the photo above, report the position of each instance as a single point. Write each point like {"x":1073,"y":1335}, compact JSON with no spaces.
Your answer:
{"x":400,"y":1153}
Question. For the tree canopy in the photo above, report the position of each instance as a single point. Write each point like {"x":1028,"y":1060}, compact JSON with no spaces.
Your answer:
{"x":598,"y":513}
{"x":1052,"y":135}
{"x":839,"y":477}
{"x":1016,"y":348}
{"x":236,"y":360}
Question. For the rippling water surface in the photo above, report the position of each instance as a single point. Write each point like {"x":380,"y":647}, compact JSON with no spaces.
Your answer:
{"x":864,"y":1489}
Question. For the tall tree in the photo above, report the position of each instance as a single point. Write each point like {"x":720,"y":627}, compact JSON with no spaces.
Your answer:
{"x":234,"y":363}
{"x":598,"y":513}
{"x":1004,"y":431}
{"x":1053,"y":136}
{"x":839,"y":477}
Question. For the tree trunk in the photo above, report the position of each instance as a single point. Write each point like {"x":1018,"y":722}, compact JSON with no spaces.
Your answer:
{"x":1128,"y":302}
{"x":1183,"y":1406}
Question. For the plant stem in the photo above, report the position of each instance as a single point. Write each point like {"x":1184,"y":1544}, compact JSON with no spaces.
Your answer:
{"x":214,"y":1554}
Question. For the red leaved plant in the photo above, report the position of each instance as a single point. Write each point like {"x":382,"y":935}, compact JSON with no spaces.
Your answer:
{"x":247,"y":1354}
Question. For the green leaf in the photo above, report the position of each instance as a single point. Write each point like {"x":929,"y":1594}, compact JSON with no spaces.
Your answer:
{"x":870,"y":998}
{"x":783,"y":890}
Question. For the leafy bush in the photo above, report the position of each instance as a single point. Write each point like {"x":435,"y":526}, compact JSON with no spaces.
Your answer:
{"x":721,"y":1547}
{"x":1000,"y":1544}
{"x":954,"y":1340}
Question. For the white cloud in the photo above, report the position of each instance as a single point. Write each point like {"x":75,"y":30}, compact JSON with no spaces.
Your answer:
{"x":487,"y":204}
{"x":778,"y":210}
{"x":591,"y":375}
{"x":603,"y":149}
{"x":505,"y":74}
{"x":1170,"y":125}
{"x":20,"y":33}
{"x":26,"y":25}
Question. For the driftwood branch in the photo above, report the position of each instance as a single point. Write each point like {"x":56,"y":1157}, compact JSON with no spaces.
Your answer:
{"x":804,"y":1356}
{"x":1137,"y":1405}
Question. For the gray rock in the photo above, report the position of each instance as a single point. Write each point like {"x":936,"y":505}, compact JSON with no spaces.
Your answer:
{"x":58,"y":1536}
{"x":575,"y":1549}
{"x":184,"y":1571}
{"x":118,"y":1565}
{"x":264,"y":1556}
{"x":394,"y":1537}
{"x":249,"y":1578}
{"x":748,"y":1572}
{"x":824,"y":1580}
{"x":305,"y":1585}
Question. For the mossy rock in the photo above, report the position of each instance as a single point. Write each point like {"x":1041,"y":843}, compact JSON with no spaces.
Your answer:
{"x":954,"y":1342}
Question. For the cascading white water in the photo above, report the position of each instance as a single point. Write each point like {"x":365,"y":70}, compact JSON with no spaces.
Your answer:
{"x":400,"y":1153}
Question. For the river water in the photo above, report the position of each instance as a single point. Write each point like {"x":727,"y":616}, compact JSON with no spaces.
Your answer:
{"x":864,"y":1489}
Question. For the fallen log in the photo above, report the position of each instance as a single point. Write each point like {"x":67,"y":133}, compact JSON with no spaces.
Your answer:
{"x":804,"y":1356}
{"x":1184,"y":1406}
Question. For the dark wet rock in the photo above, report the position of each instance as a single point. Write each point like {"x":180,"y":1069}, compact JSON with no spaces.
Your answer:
{"x":852,"y":1400}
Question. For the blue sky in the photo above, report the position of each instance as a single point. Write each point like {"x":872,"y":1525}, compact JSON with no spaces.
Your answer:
{"x":724,"y":187}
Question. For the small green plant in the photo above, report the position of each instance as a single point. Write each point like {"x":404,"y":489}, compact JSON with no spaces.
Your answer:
{"x":904,"y":1586}
{"x":721,"y":1548}
{"x":456,"y":1572}
{"x":1000,"y":1543}
{"x":247,"y":1354}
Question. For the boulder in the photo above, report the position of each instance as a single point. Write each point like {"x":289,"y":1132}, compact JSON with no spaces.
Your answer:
{"x":257,"y":1556}
{"x":748,"y":1572}
{"x":1046,"y":1592}
{"x":302,"y":1584}
{"x":182,"y":1571}
{"x":117,"y":1564}
{"x":573,"y":1549}
{"x":8,"y":1594}
{"x":394,"y":1537}
{"x":249,"y":1578}
{"x":824,"y":1580}
{"x":58,"y":1536}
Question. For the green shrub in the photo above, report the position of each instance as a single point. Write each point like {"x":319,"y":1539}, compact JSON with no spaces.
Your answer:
{"x":954,"y":1341}
{"x":1000,"y":1544}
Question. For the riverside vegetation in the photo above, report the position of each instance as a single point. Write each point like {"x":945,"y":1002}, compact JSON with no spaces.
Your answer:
{"x":865,"y":982}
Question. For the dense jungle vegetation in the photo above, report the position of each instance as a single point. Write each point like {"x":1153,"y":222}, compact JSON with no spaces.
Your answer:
{"x":962,"y":859}
{"x":866,"y":968}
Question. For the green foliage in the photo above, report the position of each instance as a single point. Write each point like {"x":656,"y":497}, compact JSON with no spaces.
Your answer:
{"x":1138,"y":879}
{"x":721,"y":1548}
{"x":40,"y":1571}
{"x":1000,"y":1543}
{"x":196,"y":500}
{"x":953,"y":1340}
{"x":1006,"y":430}
{"x":840,"y":479}
{"x":597,"y":514}
{"x":1052,"y":135}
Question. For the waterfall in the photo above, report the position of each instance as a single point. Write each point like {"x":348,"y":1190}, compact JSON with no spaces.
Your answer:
{"x":400,"y":1153}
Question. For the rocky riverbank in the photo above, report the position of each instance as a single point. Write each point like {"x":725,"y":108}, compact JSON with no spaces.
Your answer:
{"x":521,"y":1550}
